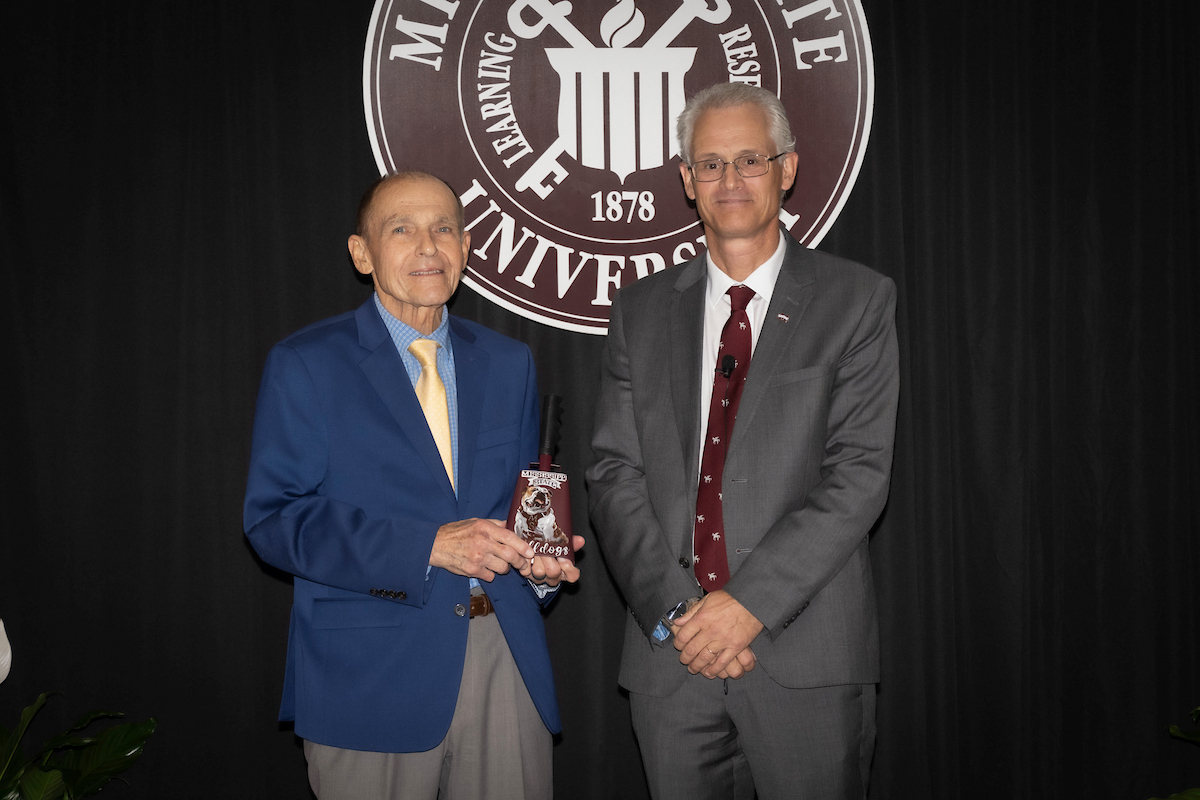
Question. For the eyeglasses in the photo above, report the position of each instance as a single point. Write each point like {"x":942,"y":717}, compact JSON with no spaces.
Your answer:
{"x":747,"y":166}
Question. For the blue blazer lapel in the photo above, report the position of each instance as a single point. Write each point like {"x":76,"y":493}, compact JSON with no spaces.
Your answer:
{"x":385,"y":371}
{"x":687,"y":332}
{"x":794,"y":289}
{"x":470,"y":372}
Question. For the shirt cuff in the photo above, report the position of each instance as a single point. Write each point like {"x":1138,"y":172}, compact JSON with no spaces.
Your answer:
{"x":542,"y":589}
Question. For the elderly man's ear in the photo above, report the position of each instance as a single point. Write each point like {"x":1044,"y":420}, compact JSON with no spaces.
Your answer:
{"x":360,"y":254}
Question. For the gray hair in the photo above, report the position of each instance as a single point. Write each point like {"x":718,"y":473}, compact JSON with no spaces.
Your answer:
{"x":731,"y":95}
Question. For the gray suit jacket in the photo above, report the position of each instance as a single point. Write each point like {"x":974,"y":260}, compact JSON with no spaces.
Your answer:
{"x":806,"y":472}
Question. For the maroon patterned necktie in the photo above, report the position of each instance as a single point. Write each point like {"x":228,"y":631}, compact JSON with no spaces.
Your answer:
{"x":733,"y":360}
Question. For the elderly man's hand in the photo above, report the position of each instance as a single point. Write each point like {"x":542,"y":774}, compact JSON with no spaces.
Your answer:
{"x":715,"y":634}
{"x":479,"y":548}
{"x":550,"y":570}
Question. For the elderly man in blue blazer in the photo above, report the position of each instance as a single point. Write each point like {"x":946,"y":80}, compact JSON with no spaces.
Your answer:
{"x":387,"y":442}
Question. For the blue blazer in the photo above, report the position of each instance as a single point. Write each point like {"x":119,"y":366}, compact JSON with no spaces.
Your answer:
{"x":346,"y":491}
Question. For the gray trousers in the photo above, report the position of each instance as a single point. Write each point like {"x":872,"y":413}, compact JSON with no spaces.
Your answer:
{"x":497,"y":747}
{"x":726,"y":740}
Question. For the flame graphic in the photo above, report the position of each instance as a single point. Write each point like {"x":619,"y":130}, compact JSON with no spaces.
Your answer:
{"x":622,"y":24}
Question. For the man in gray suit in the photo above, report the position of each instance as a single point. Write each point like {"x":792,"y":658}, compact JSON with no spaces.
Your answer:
{"x":733,"y":500}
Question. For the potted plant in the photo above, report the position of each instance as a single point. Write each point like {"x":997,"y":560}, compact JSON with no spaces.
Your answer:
{"x":72,"y":764}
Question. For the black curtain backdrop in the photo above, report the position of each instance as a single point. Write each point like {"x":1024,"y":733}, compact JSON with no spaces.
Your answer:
{"x":178,"y":181}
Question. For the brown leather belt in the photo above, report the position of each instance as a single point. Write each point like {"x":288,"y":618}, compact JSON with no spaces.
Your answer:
{"x":481,"y":606}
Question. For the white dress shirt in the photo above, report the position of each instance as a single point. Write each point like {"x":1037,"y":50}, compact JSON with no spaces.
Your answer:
{"x":716,"y":314}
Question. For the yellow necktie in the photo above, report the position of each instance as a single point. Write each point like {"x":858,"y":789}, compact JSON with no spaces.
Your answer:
{"x":431,"y":394}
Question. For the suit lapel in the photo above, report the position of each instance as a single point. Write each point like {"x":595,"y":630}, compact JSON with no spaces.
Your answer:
{"x":687,"y":331}
{"x":470,"y":373}
{"x":385,"y":371}
{"x":794,"y":289}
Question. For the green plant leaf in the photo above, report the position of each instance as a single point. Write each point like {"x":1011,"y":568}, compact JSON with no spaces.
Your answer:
{"x":87,"y":769}
{"x":1190,"y":794}
{"x":63,"y":740}
{"x":9,"y":787}
{"x":92,"y":716}
{"x":40,"y":784}
{"x":1184,"y":736}
{"x":11,"y":764}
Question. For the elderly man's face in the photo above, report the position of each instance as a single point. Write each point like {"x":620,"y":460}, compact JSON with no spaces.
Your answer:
{"x":734,"y":207}
{"x":413,"y":249}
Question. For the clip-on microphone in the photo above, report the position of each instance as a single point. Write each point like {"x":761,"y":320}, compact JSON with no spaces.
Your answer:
{"x":728,"y":364}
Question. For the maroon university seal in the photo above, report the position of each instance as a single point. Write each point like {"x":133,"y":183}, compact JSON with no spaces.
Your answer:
{"x":555,"y":123}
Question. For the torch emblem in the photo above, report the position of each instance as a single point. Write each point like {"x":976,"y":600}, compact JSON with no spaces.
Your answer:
{"x":645,"y":86}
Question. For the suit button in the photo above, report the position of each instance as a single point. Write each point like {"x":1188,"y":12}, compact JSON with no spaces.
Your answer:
{"x":401,"y":595}
{"x":683,"y":562}
{"x":460,"y":609}
{"x":374,"y":593}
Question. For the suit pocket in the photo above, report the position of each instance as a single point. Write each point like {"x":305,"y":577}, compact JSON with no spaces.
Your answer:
{"x":798,"y":375}
{"x":352,"y":612}
{"x":498,"y":436}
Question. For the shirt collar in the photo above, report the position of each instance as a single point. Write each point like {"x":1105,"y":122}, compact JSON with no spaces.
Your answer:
{"x":404,"y":334}
{"x":761,"y":280}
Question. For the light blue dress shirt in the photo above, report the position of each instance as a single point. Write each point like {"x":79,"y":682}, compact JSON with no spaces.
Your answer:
{"x":404,"y":335}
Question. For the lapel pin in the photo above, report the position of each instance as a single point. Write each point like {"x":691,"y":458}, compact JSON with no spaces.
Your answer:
{"x":782,"y":317}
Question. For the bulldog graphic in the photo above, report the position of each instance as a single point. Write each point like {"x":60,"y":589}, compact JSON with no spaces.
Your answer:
{"x":535,"y":517}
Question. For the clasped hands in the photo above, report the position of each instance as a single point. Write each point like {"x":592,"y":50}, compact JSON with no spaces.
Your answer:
{"x":713,"y":637}
{"x":484,"y":548}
